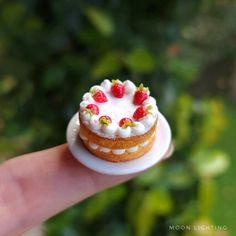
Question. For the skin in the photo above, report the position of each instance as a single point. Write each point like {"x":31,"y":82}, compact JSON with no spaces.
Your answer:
{"x":36,"y":186}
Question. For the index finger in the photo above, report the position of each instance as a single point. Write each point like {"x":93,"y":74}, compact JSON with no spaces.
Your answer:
{"x":36,"y":186}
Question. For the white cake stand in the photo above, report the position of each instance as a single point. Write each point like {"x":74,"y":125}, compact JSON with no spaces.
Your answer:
{"x":145,"y":162}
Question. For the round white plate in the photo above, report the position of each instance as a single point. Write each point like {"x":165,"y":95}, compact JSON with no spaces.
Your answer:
{"x":148,"y":160}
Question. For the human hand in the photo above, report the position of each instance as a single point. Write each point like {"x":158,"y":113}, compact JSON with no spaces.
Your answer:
{"x":36,"y":186}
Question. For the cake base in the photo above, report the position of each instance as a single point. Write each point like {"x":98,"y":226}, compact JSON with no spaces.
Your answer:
{"x":131,"y":148}
{"x":127,"y":156}
{"x":151,"y":158}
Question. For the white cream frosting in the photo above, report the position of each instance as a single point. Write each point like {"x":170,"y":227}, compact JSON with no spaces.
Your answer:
{"x":97,"y":87}
{"x":117,"y":108}
{"x":83,"y":104}
{"x":148,"y":121}
{"x":124,"y":133}
{"x":94,"y":123}
{"x":88,"y":98}
{"x":138,"y":129}
{"x":150,"y":101}
{"x":129,"y":87}
{"x":85,"y":116}
{"x":117,"y":151}
{"x":110,"y":129}
{"x":106,"y":85}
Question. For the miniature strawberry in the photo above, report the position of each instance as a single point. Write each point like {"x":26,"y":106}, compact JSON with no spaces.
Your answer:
{"x":98,"y":95}
{"x":126,"y":122}
{"x":141,"y":112}
{"x":117,"y":89}
{"x":92,"y":109}
{"x":140,"y":95}
{"x":105,"y":120}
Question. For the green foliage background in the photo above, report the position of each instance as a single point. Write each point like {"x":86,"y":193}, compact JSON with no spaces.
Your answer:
{"x":51,"y":52}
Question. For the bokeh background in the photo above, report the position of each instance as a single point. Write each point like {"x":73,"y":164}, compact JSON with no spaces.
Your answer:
{"x":51,"y":52}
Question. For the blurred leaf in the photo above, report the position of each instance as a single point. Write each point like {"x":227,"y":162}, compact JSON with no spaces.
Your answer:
{"x":106,"y":65}
{"x":114,"y":229}
{"x":5,"y":150}
{"x":12,"y":13}
{"x":206,"y":193}
{"x":182,"y":120}
{"x":214,"y":121}
{"x":33,"y":24}
{"x":135,"y":199}
{"x":72,"y":62}
{"x":102,"y":22}
{"x":69,"y":231}
{"x":201,"y":227}
{"x":53,"y":77}
{"x":210,"y":163}
{"x":140,"y":60}
{"x":151,"y":177}
{"x":62,"y":223}
{"x":145,"y":221}
{"x":157,"y":202}
{"x":179,"y":176}
{"x":58,"y":40}
{"x":2,"y":124}
{"x":186,"y":215}
{"x":7,"y":83}
{"x":182,"y":69}
{"x":102,"y":201}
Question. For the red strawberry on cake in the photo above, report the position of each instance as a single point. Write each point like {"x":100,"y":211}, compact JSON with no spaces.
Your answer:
{"x":118,"y":120}
{"x":125,"y":122}
{"x":105,"y":120}
{"x":141,"y":95}
{"x":142,"y":112}
{"x":98,"y":95}
{"x":117,"y":89}
{"x":92,"y":109}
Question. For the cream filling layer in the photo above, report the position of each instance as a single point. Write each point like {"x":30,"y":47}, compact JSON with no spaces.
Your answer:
{"x":117,"y":151}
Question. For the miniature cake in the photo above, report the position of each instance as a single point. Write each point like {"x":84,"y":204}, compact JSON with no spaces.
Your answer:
{"x":118,"y":120}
